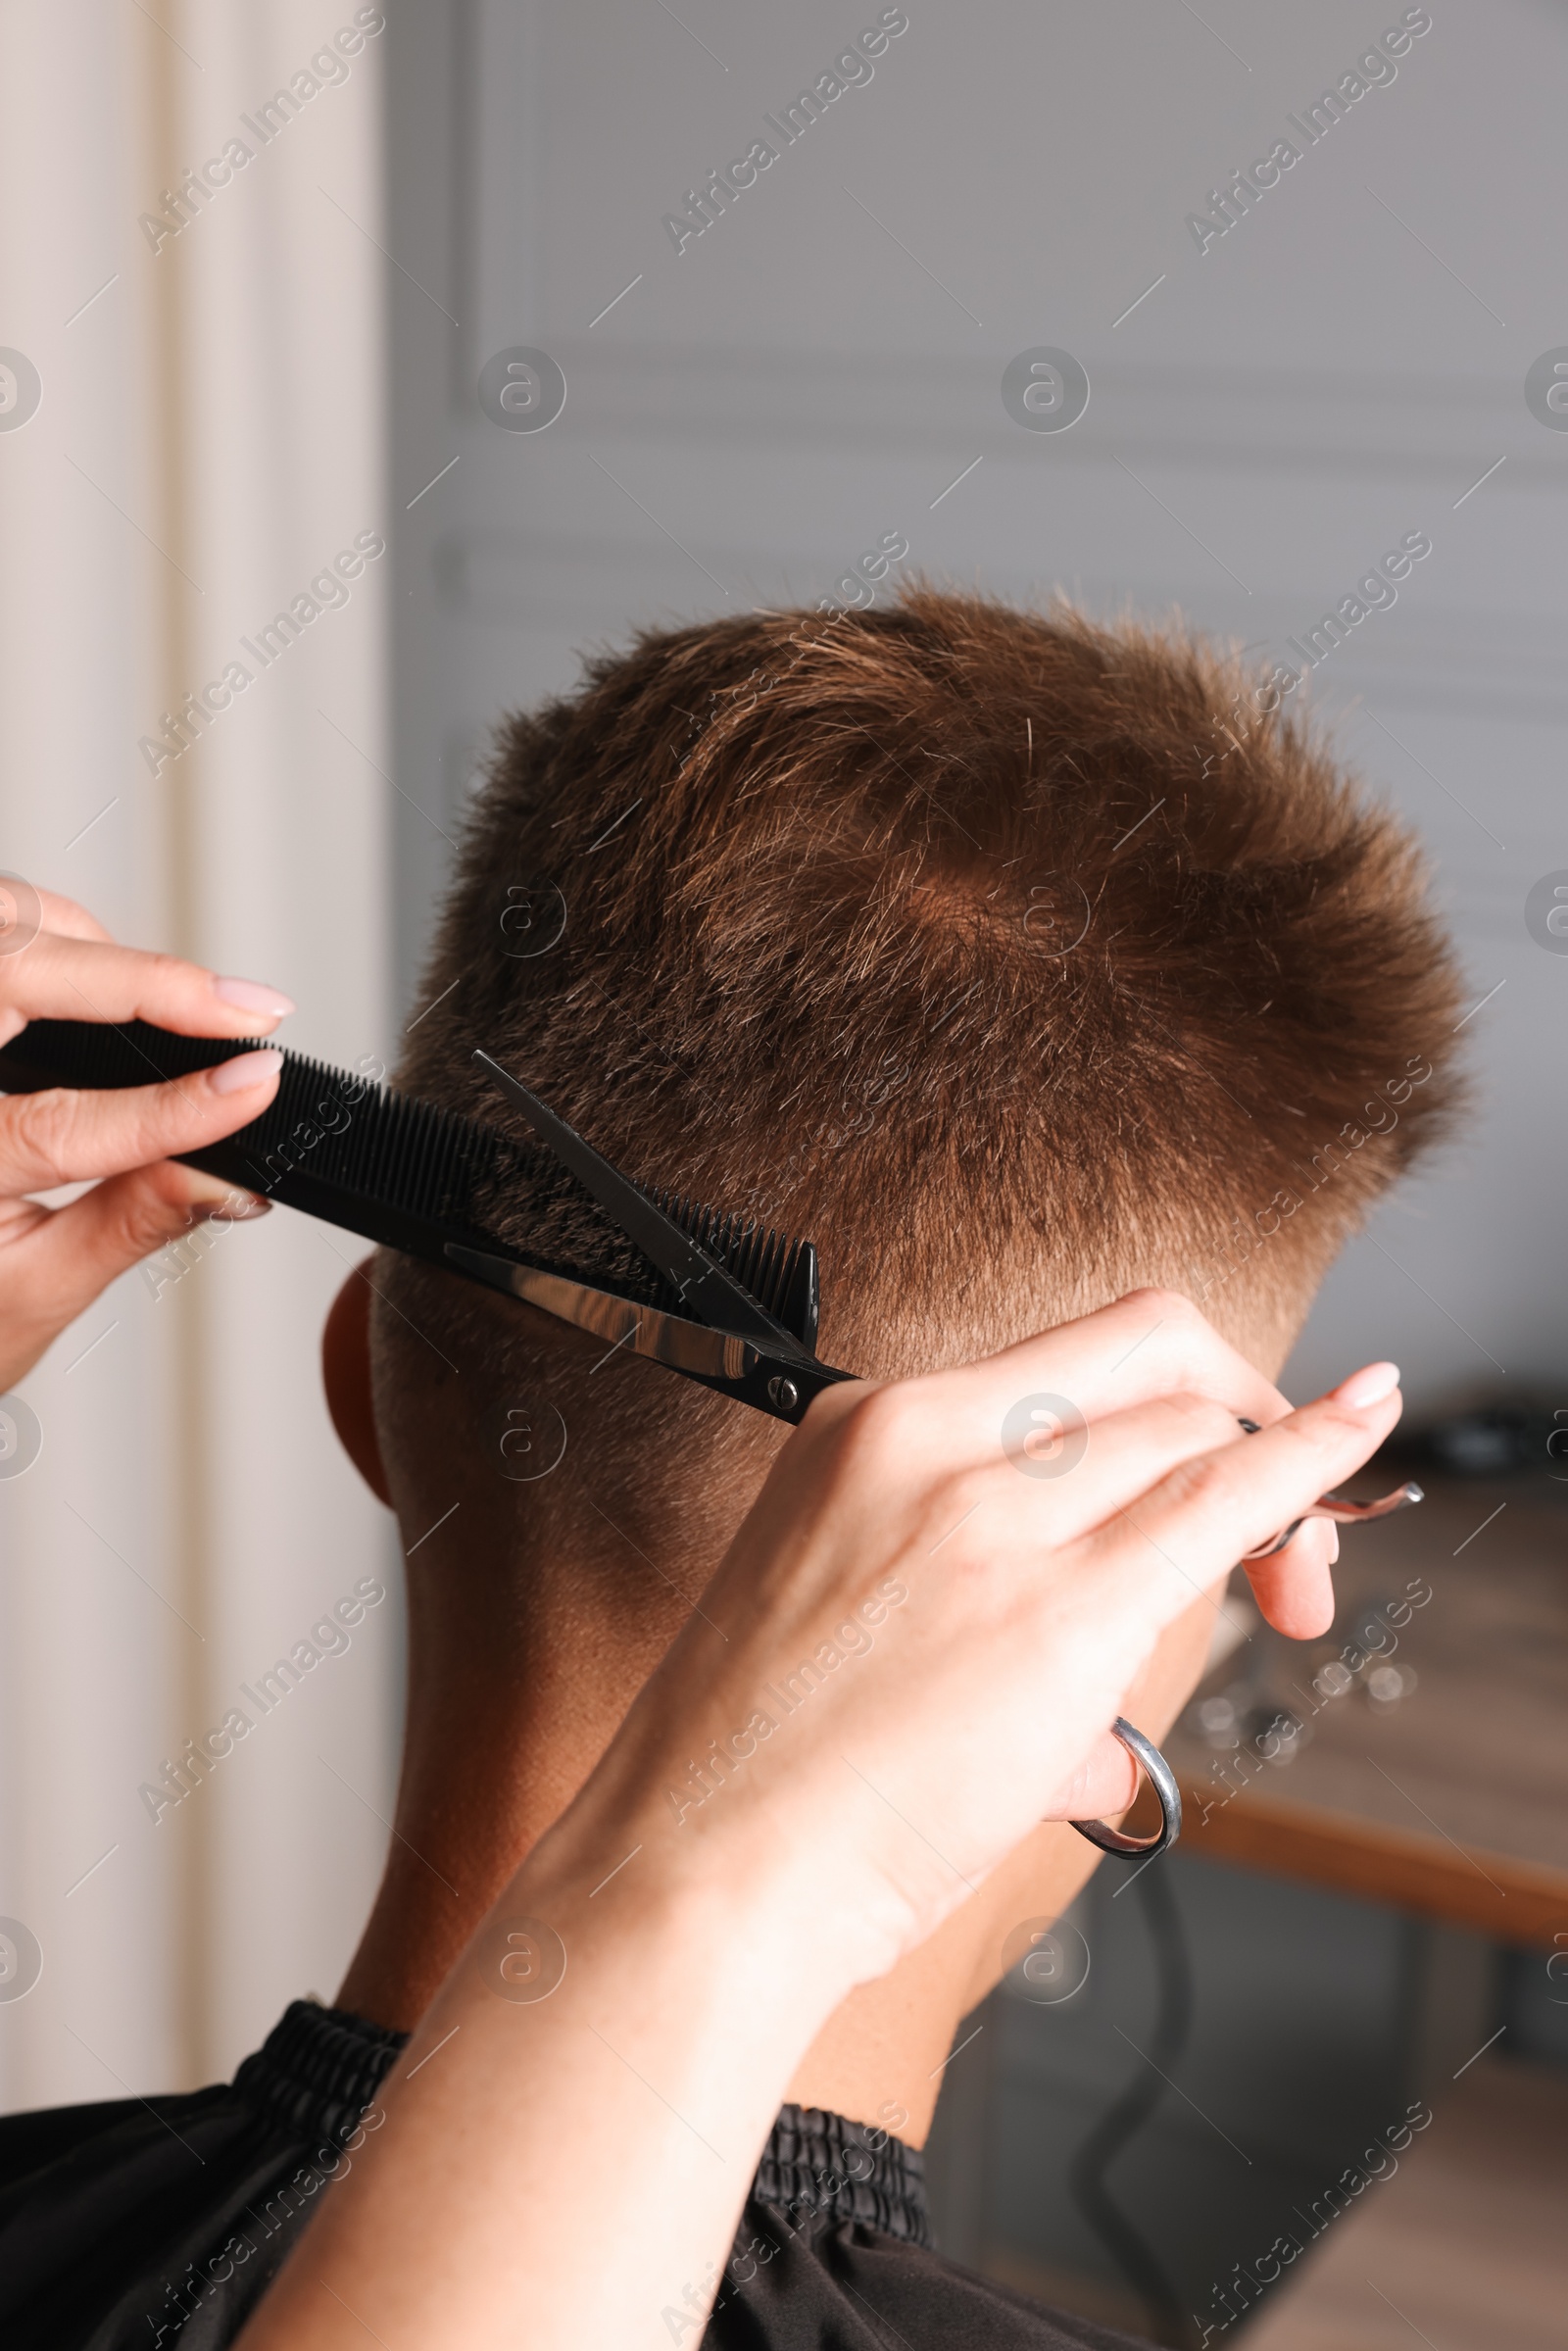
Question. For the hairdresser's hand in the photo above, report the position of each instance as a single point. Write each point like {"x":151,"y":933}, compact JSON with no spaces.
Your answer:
{"x":57,"y":963}
{"x":1011,"y":1611}
{"x":618,"y":2038}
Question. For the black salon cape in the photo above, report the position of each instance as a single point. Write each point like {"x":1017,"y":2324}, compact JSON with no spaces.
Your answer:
{"x":134,"y":2223}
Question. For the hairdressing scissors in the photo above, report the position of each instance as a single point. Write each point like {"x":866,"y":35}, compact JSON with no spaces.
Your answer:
{"x":721,"y":1333}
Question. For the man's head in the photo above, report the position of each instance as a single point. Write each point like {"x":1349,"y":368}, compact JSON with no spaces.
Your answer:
{"x":1014,"y":962}
{"x":1011,"y":959}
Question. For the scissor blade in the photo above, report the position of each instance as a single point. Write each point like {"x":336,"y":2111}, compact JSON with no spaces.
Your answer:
{"x":704,"y":1288}
{"x":738,"y":1366}
{"x":689,"y":1347}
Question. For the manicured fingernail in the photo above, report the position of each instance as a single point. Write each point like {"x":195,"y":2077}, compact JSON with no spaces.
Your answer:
{"x":245,"y":1070}
{"x":236,"y":1207}
{"x":210,"y":1196}
{"x":252,"y":995}
{"x":1369,"y":1386}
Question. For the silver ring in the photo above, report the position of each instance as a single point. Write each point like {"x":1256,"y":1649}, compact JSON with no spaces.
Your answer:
{"x":1157,"y":1772}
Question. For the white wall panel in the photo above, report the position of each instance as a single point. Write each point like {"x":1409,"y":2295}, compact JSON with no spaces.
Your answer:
{"x":210,"y":433}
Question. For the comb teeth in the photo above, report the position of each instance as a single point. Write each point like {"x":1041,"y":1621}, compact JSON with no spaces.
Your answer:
{"x":428,"y":1163}
{"x":780,"y":1273}
{"x":400,"y":1171}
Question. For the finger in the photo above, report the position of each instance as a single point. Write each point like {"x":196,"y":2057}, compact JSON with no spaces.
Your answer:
{"x":1297,"y":1598}
{"x":1148,"y":1343}
{"x":1103,"y":1784}
{"x":63,"y":978}
{"x":1295,"y":1590}
{"x":129,"y":1216}
{"x":1293,"y":1586}
{"x":62,"y":1136}
{"x":73,"y":1253}
{"x":213,"y":1195}
{"x":1089,"y":1468}
{"x":1126,"y":1453}
{"x":1213,"y":1508}
{"x":70,"y":922}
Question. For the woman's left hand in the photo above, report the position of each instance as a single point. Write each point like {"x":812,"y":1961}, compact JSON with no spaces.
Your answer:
{"x":55,"y":1261}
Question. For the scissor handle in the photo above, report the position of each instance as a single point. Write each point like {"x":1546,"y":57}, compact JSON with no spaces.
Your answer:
{"x":1334,"y":1506}
{"x":1157,"y":1772}
{"x":1343,"y":1514}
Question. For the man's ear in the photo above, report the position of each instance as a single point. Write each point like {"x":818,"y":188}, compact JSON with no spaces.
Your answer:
{"x":346,"y":1374}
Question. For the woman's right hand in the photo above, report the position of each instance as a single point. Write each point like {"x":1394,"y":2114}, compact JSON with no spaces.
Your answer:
{"x":1036,"y":1589}
{"x":57,"y":963}
{"x":567,"y":2143}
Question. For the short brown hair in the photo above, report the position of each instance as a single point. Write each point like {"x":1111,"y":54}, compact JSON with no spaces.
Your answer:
{"x":979,"y":946}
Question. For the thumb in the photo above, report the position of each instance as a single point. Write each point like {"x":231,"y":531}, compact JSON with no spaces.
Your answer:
{"x":72,"y":1253}
{"x":128,"y":1216}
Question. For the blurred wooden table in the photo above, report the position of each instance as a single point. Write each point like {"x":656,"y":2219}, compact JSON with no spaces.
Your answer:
{"x":1464,"y":2247}
{"x":1453,"y":1801}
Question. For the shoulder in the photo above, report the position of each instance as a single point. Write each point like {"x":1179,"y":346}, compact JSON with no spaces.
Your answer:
{"x":120,"y":2224}
{"x":789,"y":2288}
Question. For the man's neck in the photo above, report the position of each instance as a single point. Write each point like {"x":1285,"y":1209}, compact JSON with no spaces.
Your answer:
{"x":490,"y":1761}
{"x":507,"y":1713}
{"x":497,"y":1743}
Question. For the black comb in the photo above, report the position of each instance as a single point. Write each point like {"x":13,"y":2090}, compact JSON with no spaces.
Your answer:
{"x":780,"y":1273}
{"x":404,"y":1173}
